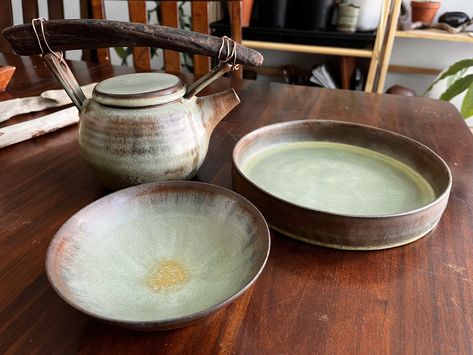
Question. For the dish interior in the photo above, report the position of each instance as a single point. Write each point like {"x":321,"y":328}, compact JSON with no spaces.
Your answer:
{"x":153,"y":257}
{"x":338,"y":178}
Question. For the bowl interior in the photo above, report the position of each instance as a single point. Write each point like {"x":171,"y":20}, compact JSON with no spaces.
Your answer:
{"x":157,"y":252}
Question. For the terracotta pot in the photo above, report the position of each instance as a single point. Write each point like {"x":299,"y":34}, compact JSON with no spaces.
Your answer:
{"x":246,"y":9}
{"x":424,"y":11}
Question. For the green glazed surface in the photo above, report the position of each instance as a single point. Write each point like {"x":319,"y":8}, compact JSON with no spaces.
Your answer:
{"x":138,"y":83}
{"x":338,"y":178}
{"x":157,"y":254}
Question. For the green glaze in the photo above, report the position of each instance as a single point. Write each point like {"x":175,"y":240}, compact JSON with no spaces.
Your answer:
{"x":159,"y":253}
{"x":139,"y":90}
{"x":139,"y":83}
{"x":338,"y":178}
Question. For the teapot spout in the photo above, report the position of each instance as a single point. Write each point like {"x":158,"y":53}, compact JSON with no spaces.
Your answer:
{"x":215,"y":107}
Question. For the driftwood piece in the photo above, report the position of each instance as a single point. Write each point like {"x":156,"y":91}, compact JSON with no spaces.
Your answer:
{"x":405,"y":24}
{"x":47,"y":99}
{"x":90,"y":34}
{"x":37,"y":127}
{"x":452,"y":30}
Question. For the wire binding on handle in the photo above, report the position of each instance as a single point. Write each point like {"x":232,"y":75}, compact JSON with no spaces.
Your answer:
{"x":58,"y":66}
{"x":231,"y":52}
{"x":59,"y":56}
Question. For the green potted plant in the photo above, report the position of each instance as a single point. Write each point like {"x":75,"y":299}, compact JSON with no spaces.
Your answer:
{"x":455,"y":84}
{"x":424,"y":10}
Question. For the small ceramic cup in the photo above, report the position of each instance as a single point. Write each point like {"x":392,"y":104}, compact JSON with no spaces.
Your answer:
{"x":347,"y":17}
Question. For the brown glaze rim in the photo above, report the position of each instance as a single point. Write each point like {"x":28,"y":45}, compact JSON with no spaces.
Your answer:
{"x":138,"y":107}
{"x":177,"y":322}
{"x":275,"y":126}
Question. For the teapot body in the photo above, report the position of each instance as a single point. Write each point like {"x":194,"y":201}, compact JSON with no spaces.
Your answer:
{"x":126,"y":146}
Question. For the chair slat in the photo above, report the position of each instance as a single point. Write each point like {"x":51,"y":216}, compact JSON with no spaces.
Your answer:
{"x":141,"y":55}
{"x":30,"y":10}
{"x":86,"y":12}
{"x":172,"y":60}
{"x":200,"y":23}
{"x":6,"y":19}
{"x":236,"y":30}
{"x":55,"y":9}
{"x":137,"y":12}
{"x":98,"y":12}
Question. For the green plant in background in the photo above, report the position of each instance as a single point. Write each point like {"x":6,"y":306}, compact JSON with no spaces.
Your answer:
{"x":457,"y":83}
{"x":184,"y":23}
{"x":123,"y":53}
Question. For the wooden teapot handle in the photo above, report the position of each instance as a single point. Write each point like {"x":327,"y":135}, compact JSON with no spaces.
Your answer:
{"x":65,"y":35}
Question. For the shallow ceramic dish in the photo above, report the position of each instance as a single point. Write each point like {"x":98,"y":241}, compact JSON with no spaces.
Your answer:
{"x":160,"y":255}
{"x":342,"y":185}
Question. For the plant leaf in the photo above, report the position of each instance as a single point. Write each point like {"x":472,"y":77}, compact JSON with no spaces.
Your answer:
{"x":452,"y":78}
{"x":457,"y":88}
{"x":467,"y":104}
{"x":462,"y":64}
{"x":121,"y":52}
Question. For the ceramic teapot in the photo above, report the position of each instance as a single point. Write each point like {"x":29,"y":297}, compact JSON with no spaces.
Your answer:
{"x":141,"y":127}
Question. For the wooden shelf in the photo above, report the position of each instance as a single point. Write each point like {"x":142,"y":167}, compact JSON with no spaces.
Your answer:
{"x":430,"y":34}
{"x":303,"y":48}
{"x":437,"y":35}
{"x":348,"y":46}
{"x":403,"y":69}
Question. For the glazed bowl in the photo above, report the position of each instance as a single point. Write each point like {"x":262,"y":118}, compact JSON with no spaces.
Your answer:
{"x":158,"y":256}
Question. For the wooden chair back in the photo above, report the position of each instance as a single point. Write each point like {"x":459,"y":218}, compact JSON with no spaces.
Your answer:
{"x":137,"y":13}
{"x":170,"y":17}
{"x":30,"y":9}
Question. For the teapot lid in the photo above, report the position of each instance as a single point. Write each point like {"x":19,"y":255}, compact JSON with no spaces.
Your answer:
{"x":139,"y":90}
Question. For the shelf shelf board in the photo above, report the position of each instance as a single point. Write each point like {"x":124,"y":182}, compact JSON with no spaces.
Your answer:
{"x":403,"y":69}
{"x":304,"y":48}
{"x":437,"y":35}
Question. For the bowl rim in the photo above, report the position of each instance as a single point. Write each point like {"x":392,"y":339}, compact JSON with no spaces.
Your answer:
{"x":282,"y":125}
{"x":185,"y":319}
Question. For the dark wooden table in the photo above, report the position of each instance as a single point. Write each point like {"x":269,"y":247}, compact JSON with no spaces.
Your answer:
{"x":415,"y":299}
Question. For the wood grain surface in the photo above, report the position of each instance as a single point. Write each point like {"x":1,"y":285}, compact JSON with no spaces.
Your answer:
{"x":416,"y":299}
